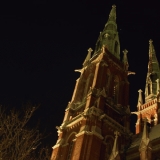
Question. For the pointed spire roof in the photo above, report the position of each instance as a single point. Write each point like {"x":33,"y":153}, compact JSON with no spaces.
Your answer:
{"x":111,"y":20}
{"x":140,"y":100}
{"x":109,"y":37}
{"x":145,"y":138}
{"x":153,"y":65}
{"x":152,"y":75}
{"x":115,"y":147}
{"x":112,"y":15}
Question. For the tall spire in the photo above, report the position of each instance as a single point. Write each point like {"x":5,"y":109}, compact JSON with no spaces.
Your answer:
{"x":112,"y":15}
{"x":153,"y":65}
{"x":109,"y":37}
{"x":152,"y":75}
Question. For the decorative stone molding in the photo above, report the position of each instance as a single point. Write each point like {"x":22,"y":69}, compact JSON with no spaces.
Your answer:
{"x":97,"y":92}
{"x":95,"y":111}
{"x":115,"y":125}
{"x":96,"y":129}
{"x":59,"y":143}
{"x":84,"y":128}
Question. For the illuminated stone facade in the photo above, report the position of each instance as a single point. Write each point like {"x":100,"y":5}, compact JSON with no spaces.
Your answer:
{"x":96,"y":124}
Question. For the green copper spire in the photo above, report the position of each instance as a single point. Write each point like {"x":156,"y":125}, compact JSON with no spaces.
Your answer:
{"x":152,"y":75}
{"x":153,"y":65}
{"x":112,"y":15}
{"x":109,"y":37}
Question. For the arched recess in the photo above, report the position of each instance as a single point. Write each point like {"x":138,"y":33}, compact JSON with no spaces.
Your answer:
{"x":70,"y":141}
{"x":116,"y":48}
{"x":115,"y":89}
{"x":108,"y":141}
{"x":88,"y":83}
{"x":107,"y":81}
{"x":153,"y":78}
{"x":149,"y":86}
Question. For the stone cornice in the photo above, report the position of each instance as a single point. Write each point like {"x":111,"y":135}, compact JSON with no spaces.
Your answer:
{"x":90,"y":133}
{"x":114,"y":124}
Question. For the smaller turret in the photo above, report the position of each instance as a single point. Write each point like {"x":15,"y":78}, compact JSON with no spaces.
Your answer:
{"x":152,"y":75}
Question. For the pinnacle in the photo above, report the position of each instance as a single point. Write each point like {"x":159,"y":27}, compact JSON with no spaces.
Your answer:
{"x":113,"y":11}
{"x":140,"y":91}
{"x":113,"y":6}
{"x":125,"y":51}
{"x":150,"y":41}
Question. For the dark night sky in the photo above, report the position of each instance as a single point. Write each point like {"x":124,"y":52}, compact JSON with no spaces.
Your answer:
{"x":42,"y":44}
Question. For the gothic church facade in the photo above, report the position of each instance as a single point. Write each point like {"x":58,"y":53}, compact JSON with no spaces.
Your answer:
{"x":96,"y":125}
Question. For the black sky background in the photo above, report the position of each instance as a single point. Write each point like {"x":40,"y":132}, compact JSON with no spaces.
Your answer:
{"x":43,"y":43}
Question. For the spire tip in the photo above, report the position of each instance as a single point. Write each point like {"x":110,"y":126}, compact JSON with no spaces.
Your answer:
{"x":113,"y":6}
{"x":150,"y":41}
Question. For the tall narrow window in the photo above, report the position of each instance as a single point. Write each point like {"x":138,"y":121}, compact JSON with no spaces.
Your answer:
{"x":115,"y":89}
{"x":149,"y":88}
{"x":116,"y":48}
{"x":109,"y":145}
{"x":70,"y":149}
{"x":87,"y":85}
{"x":107,"y":82}
{"x":70,"y":145}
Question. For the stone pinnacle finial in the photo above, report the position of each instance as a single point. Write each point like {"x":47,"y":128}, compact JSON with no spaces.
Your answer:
{"x":151,"y":47}
{"x":150,"y":41}
{"x":113,"y":12}
{"x":125,"y":56}
{"x":115,"y":147}
{"x":125,"y":59}
{"x":88,"y":57}
{"x":140,"y":100}
{"x":90,"y":50}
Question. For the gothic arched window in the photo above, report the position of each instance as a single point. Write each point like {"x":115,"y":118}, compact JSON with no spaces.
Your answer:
{"x":70,"y":141}
{"x":116,"y":48}
{"x":115,"y":89}
{"x":149,"y":87}
{"x":109,"y":140}
{"x":87,"y":85}
{"x":107,"y":82}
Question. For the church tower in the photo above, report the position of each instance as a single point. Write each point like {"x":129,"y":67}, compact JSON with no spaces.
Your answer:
{"x":96,"y":122}
{"x":149,"y":109}
{"x":145,"y":144}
